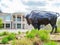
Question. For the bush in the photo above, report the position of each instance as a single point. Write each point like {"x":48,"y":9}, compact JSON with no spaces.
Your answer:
{"x":27,"y":32}
{"x":5,"y":40}
{"x":8,"y":38}
{"x":50,"y":43}
{"x":3,"y":33}
{"x":32,"y":34}
{"x":44,"y":35}
{"x":19,"y":32}
{"x":11,"y":36}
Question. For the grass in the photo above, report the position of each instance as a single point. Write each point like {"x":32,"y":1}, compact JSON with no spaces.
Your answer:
{"x":4,"y":33}
{"x":32,"y":37}
{"x":58,"y":30}
{"x":8,"y":38}
{"x":44,"y":35}
{"x":23,"y":41}
{"x":31,"y":34}
{"x":50,"y":43}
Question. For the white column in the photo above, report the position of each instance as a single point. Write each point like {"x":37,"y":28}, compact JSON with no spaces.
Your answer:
{"x":16,"y":21}
{"x":21,"y":22}
{"x":11,"y":20}
{"x":10,"y":25}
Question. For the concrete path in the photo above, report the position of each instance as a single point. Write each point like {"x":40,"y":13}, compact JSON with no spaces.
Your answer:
{"x":14,"y":30}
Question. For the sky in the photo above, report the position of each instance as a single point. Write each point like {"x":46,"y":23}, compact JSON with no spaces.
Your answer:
{"x":11,"y":6}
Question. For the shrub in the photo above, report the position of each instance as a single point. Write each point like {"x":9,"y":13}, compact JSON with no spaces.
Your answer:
{"x":8,"y":38}
{"x":32,"y":34}
{"x":1,"y":34}
{"x":5,"y":40}
{"x":19,"y":32}
{"x":44,"y":35}
{"x":5,"y":33}
{"x":50,"y":43}
{"x":27,"y":32}
{"x":11,"y":36}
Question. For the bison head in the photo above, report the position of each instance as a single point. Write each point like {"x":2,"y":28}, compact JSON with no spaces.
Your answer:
{"x":29,"y":21}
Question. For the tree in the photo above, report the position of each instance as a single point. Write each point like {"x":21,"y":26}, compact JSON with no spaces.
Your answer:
{"x":1,"y":23}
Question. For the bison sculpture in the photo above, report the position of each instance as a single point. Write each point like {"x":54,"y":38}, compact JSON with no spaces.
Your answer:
{"x":38,"y":18}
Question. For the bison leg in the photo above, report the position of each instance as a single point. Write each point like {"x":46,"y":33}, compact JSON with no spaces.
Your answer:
{"x":38,"y":27}
{"x":52,"y":29}
{"x":55,"y":29}
{"x":35,"y":25}
{"x":54,"y":26}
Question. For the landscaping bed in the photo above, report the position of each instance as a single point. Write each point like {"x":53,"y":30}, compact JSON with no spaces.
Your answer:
{"x":33,"y":37}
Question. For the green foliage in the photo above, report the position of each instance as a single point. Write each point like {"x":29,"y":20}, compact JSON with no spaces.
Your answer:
{"x":1,"y":23}
{"x":58,"y":30}
{"x":44,"y":35}
{"x":32,"y":34}
{"x":8,"y":38}
{"x":11,"y":36}
{"x":50,"y":43}
{"x":19,"y":32}
{"x":27,"y":32}
{"x":3,"y":33}
{"x":5,"y":40}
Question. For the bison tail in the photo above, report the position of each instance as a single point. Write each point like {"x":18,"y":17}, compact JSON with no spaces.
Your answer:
{"x":58,"y":15}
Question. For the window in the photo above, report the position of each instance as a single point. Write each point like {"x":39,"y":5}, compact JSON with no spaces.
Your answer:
{"x":18,"y":25}
{"x":7,"y":25}
{"x":7,"y":17}
{"x":18,"y":18}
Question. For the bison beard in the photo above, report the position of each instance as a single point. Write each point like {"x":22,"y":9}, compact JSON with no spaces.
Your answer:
{"x":42,"y":18}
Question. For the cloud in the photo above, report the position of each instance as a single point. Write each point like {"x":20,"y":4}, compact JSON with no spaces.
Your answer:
{"x":13,"y":6}
{"x":28,"y":5}
{"x":31,"y":3}
{"x":56,"y":4}
{"x":10,"y":0}
{"x":0,"y":0}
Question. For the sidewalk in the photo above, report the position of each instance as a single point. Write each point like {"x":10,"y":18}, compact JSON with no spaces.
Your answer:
{"x":14,"y":30}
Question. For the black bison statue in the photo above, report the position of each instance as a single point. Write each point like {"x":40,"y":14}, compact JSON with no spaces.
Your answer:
{"x":38,"y":18}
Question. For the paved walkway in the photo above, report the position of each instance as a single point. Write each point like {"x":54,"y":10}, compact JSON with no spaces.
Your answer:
{"x":14,"y":30}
